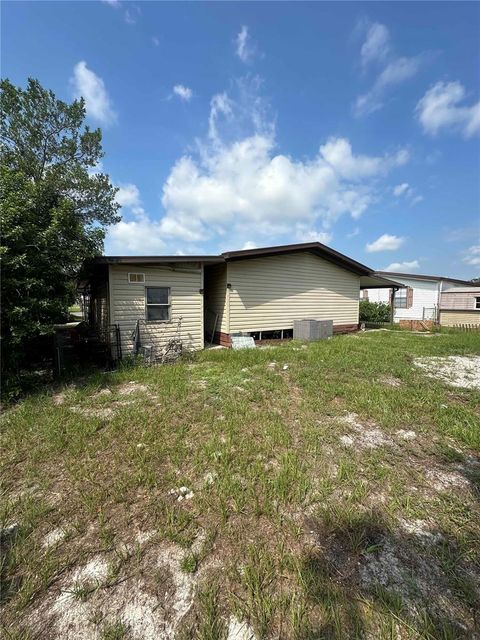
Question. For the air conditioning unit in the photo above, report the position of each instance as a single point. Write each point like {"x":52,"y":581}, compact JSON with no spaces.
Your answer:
{"x":310,"y":329}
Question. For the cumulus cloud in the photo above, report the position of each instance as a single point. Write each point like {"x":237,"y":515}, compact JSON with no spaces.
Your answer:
{"x":377,"y":44}
{"x":243,"y":45}
{"x":248,"y":184}
{"x":184,"y":93}
{"x":135,"y":237}
{"x":128,"y":195}
{"x":236,"y":188}
{"x":91,"y":87}
{"x":442,"y":108}
{"x":385,"y":243}
{"x":472,"y":255}
{"x":403,"y":267}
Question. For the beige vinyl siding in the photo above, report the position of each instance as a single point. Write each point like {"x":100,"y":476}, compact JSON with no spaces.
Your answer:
{"x":270,"y":293}
{"x":127,"y":304}
{"x":216,"y":294}
{"x":450,"y":318}
{"x":459,"y":300}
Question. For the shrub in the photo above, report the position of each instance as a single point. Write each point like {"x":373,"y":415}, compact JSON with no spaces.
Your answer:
{"x":374,"y":311}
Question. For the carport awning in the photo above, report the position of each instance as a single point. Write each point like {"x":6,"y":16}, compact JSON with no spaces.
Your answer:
{"x":377,"y":282}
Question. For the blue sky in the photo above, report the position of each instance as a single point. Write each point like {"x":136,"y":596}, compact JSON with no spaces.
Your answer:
{"x":231,"y":125}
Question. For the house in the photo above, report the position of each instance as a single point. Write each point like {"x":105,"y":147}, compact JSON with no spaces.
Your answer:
{"x":418,"y":298}
{"x":460,"y":305}
{"x":259,"y":292}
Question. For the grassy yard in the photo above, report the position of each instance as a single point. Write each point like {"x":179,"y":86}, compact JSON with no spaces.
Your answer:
{"x":293,"y":492}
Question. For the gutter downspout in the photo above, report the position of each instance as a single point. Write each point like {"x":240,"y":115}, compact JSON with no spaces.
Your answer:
{"x":392,"y":305}
{"x":439,"y":297}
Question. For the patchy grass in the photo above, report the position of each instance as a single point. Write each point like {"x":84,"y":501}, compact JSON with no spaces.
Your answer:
{"x":233,"y":497}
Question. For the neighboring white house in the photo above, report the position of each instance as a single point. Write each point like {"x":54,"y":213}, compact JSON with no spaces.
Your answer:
{"x":419,"y":299}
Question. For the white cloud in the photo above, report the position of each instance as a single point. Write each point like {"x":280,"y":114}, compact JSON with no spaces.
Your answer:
{"x":441,"y":108}
{"x":220,"y":105}
{"x":400,"y":189}
{"x":247,"y":184}
{"x":128,"y":195}
{"x":472,"y":255}
{"x":408,"y":192}
{"x":385,"y":243}
{"x":311,"y":235}
{"x":136,"y":237}
{"x":132,"y":14}
{"x":403,"y":267}
{"x":377,"y":44}
{"x":354,"y":233}
{"x":243,"y":45}
{"x":91,"y":87}
{"x":184,"y":93}
{"x":156,"y":41}
{"x":112,"y":3}
{"x":396,"y":72}
{"x":338,"y":153}
{"x":249,"y":244}
{"x":239,"y":185}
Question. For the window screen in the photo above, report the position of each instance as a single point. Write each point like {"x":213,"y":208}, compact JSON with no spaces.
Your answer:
{"x":401,"y":299}
{"x":157,"y":304}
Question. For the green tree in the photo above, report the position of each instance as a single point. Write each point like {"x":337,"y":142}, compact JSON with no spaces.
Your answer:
{"x":374,"y":311}
{"x":54,"y":210}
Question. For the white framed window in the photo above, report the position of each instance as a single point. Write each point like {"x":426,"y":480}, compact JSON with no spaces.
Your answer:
{"x":157,"y":304}
{"x":401,"y":298}
{"x":477,"y":302}
{"x":135,"y":278}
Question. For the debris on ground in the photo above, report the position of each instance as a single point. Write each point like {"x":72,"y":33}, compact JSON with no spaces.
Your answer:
{"x":457,"y":371}
{"x":182,"y":493}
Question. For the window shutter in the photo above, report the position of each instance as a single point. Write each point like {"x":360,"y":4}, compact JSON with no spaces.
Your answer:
{"x":409,"y":297}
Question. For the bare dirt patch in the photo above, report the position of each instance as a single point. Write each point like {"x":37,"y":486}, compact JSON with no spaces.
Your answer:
{"x":457,"y":371}
{"x":366,"y":436}
{"x":149,"y":610}
{"x":391,"y":381}
{"x":238,"y":630}
{"x":132,"y":387}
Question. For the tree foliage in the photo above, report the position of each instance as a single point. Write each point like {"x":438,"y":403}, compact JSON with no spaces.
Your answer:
{"x":55,"y":209}
{"x":374,"y":311}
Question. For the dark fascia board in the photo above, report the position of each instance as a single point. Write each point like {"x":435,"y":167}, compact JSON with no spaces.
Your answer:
{"x":155,"y":259}
{"x":312,"y":247}
{"x":416,"y":276}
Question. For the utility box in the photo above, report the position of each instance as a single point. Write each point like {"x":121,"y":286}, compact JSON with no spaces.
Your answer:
{"x":309,"y":329}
